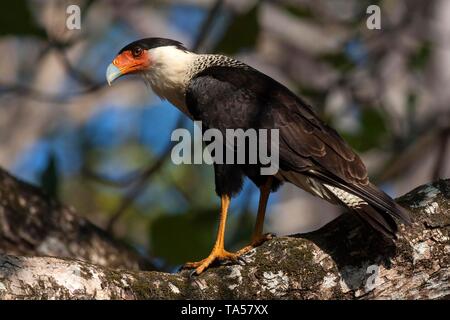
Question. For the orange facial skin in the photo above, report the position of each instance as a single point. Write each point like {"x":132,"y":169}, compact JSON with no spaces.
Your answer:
{"x":126,"y":62}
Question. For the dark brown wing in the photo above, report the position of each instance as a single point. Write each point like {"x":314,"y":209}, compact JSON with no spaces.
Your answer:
{"x":304,"y":135}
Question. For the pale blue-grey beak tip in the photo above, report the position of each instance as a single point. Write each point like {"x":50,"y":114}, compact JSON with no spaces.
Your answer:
{"x":112,"y":73}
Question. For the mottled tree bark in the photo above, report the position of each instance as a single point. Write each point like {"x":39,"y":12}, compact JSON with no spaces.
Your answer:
{"x":343,"y":260}
{"x":32,"y":224}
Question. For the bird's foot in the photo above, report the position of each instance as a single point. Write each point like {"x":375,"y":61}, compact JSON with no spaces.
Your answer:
{"x":255,"y":243}
{"x":216,"y":254}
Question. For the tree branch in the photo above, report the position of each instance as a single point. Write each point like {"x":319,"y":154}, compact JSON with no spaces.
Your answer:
{"x":32,"y":224}
{"x":343,"y":260}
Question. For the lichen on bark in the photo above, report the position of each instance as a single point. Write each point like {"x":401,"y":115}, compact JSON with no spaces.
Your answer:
{"x":343,"y":260}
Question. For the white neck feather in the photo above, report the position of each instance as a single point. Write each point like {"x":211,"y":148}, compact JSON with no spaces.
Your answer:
{"x":169,"y":73}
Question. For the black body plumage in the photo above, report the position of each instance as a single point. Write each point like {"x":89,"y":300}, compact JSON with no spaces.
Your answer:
{"x":311,"y":153}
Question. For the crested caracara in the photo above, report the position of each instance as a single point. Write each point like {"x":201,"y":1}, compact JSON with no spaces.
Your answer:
{"x":224,"y":94}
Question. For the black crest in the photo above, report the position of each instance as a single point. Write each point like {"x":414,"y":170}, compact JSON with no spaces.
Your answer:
{"x":150,"y":43}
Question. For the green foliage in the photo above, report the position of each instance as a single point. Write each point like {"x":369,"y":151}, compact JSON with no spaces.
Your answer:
{"x":314,"y":97}
{"x":242,"y":33}
{"x":372,"y":131}
{"x":419,"y":59}
{"x":178,"y":238}
{"x":49,"y":179}
{"x":17,"y":20}
{"x":338,"y":60}
{"x":190,"y":236}
{"x":298,"y":11}
{"x":240,"y":230}
{"x":411,"y":107}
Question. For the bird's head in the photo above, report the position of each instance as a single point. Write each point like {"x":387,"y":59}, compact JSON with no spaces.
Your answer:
{"x":144,"y":56}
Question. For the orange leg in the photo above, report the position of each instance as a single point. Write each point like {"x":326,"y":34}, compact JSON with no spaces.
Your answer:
{"x":258,"y":237}
{"x":218,"y":252}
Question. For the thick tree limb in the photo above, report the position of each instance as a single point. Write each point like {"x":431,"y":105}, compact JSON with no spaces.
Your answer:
{"x":335,"y":262}
{"x":31,"y":224}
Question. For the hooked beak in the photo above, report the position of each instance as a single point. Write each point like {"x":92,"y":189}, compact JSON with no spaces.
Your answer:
{"x":112,"y":73}
{"x":126,"y":63}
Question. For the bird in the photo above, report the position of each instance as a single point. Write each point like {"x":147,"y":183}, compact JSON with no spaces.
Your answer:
{"x":224,"y":93}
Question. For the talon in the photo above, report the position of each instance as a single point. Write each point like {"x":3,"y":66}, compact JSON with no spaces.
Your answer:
{"x":241,"y":261}
{"x":216,"y":255}
{"x":270,"y":236}
{"x":244,"y":250}
{"x":191,"y":265}
{"x":256,"y":243}
{"x":193,"y":274}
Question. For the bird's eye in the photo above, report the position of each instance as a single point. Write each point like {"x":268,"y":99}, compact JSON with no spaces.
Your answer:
{"x":136,"y":52}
